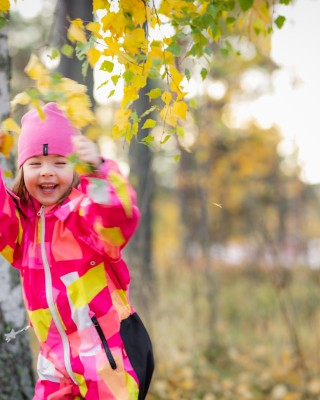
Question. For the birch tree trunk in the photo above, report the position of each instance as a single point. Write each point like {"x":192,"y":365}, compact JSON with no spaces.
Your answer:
{"x":16,"y":371}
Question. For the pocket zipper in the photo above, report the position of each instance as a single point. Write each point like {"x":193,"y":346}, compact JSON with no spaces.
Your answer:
{"x":104,"y":342}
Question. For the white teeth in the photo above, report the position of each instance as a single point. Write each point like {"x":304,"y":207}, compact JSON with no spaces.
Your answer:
{"x":47,"y":187}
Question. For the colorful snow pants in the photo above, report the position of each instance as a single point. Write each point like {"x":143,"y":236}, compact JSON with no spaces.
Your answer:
{"x":98,"y":379}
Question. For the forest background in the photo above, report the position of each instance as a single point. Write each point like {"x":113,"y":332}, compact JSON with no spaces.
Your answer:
{"x":225,"y":267}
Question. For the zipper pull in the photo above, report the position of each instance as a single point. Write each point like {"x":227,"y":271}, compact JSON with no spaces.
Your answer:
{"x":12,"y":334}
{"x":40,"y":212}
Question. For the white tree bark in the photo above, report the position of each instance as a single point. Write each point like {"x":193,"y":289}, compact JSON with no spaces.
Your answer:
{"x":16,"y":372}
{"x":4,"y":74}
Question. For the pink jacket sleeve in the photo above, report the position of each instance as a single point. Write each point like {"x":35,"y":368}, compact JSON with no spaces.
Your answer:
{"x":110,"y":207}
{"x":9,"y":223}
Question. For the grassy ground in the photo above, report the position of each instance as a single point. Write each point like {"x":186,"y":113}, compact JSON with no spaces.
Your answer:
{"x":265,"y":345}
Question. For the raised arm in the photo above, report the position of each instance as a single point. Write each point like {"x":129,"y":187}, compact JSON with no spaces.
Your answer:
{"x":110,"y":206}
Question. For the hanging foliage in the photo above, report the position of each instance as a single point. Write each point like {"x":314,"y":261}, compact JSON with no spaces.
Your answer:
{"x":132,"y":41}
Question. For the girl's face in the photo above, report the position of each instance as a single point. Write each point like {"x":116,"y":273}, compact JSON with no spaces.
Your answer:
{"x":47,"y":178}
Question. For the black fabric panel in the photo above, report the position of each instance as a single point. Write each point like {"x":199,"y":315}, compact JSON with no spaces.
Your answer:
{"x":139,"y":350}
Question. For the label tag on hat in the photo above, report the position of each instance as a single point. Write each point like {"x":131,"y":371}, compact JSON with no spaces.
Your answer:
{"x":45,"y":149}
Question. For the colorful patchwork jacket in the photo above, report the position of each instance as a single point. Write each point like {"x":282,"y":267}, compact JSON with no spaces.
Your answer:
{"x":75,"y":285}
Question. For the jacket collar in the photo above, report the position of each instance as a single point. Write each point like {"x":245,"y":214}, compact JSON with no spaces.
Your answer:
{"x":71,"y":203}
{"x":61,"y":211}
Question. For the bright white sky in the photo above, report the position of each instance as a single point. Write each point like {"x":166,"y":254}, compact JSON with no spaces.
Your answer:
{"x":295,"y":104}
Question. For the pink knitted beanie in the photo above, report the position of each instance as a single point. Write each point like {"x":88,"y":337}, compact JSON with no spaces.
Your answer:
{"x":51,"y":135}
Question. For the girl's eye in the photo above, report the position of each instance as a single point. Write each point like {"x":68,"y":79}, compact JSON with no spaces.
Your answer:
{"x":61,"y":163}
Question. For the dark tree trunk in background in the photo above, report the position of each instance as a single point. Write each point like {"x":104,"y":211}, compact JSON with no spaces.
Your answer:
{"x":196,"y":239}
{"x":140,"y":246}
{"x":189,"y":206}
{"x":67,"y":10}
{"x":16,"y":371}
{"x":139,"y":249}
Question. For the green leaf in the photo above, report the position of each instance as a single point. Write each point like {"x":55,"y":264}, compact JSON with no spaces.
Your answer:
{"x":193,"y":103}
{"x":164,"y":74}
{"x":208,"y":50}
{"x":147,"y":112}
{"x":33,"y":93}
{"x":177,"y":158}
{"x":67,"y":50}
{"x":228,"y":5}
{"x":115,"y":79}
{"x":157,"y":62}
{"x":154,"y":93}
{"x":286,"y":2}
{"x":180,"y":131}
{"x":148,"y":139}
{"x":203,"y":73}
{"x":153,"y":73}
{"x":175,"y":49}
{"x":54,"y":54}
{"x":156,"y":43}
{"x":111,"y":93}
{"x":280,"y":21}
{"x":134,"y":117}
{"x":181,"y":35}
{"x":56,"y":78}
{"x":213,"y":9}
{"x":187,"y":74}
{"x":128,"y":76}
{"x":81,"y":50}
{"x":257,"y":30}
{"x":84,"y":69}
{"x":230,"y":20}
{"x":107,"y":66}
{"x":195,"y":50}
{"x":200,"y":42}
{"x":102,"y":84}
{"x":165,"y":139}
{"x":3,"y":22}
{"x":224,"y":52}
{"x":73,"y":158}
{"x":214,"y":30}
{"x":150,"y":123}
{"x":245,"y":4}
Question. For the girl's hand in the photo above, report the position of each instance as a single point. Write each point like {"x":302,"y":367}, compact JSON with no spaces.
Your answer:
{"x":86,"y":150}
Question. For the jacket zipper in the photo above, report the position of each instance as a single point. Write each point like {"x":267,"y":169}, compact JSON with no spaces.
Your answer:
{"x":104,"y":342}
{"x":50,"y":299}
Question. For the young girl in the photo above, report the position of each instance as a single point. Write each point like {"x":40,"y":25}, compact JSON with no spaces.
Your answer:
{"x":65,"y":235}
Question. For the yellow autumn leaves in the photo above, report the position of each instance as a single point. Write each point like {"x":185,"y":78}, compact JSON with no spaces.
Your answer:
{"x":117,"y":43}
{"x":70,"y":95}
{"x":6,"y":143}
{"x":4,"y":6}
{"x":133,"y":42}
{"x":120,"y":40}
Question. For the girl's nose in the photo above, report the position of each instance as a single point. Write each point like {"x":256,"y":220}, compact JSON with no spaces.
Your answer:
{"x":46,"y":170}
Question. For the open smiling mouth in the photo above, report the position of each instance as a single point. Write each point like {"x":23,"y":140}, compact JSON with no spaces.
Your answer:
{"x":48,"y":188}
